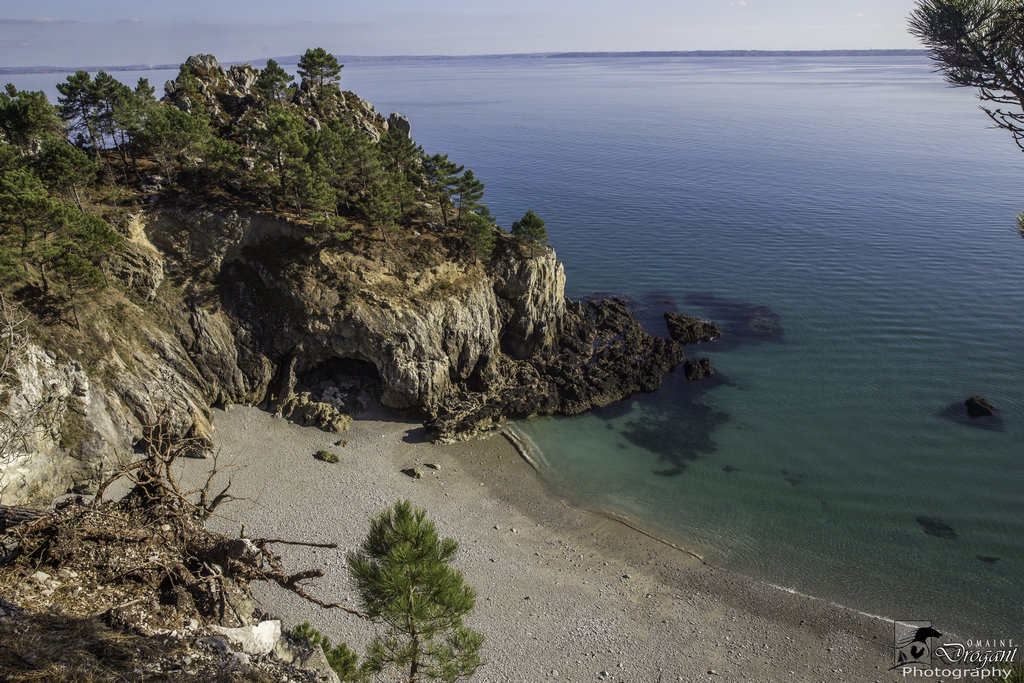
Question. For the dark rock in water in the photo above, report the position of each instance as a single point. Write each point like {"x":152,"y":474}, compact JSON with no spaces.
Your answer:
{"x":698,"y":369}
{"x":740,"y":322}
{"x":936,"y":527}
{"x":978,"y":407}
{"x":729,"y":469}
{"x":671,"y":472}
{"x":687,"y":330}
{"x":987,"y":559}
{"x":958,"y":413}
{"x":794,"y":478}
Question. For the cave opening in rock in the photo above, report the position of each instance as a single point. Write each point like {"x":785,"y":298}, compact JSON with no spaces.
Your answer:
{"x":351,"y":385}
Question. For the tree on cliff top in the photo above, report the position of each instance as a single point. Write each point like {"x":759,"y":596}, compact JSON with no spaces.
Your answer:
{"x":319,"y":67}
{"x":273,"y":81}
{"x":405,"y":581}
{"x":26,"y":116}
{"x":441,"y":178}
{"x":530,"y":229}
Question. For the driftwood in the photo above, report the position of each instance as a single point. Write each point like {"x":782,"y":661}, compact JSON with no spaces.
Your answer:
{"x":13,"y":516}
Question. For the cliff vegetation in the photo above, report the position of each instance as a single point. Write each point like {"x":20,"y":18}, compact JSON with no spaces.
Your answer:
{"x":251,"y":239}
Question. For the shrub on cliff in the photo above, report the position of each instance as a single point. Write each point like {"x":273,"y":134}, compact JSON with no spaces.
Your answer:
{"x":530,"y":229}
{"x":406,"y":583}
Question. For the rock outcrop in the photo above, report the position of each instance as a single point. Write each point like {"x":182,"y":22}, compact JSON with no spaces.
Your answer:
{"x":687,"y":330}
{"x":228,"y":96}
{"x":978,"y":407}
{"x":698,"y":369}
{"x":243,"y":310}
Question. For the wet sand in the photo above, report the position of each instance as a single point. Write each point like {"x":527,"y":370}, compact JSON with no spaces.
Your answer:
{"x":564,"y":593}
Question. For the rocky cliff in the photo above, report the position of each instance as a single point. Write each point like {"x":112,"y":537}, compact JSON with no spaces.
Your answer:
{"x":224,"y":294}
{"x":227,"y":307}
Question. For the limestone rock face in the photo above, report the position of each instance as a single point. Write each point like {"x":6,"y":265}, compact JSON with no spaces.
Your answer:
{"x":400,"y":123}
{"x":241,"y":309}
{"x":58,"y":431}
{"x":534,"y":290}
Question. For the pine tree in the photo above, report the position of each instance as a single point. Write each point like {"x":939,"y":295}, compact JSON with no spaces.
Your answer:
{"x":320,"y":68}
{"x":441,"y":178}
{"x":405,"y":582}
{"x":380,"y":206}
{"x":65,"y":168}
{"x":173,"y":137}
{"x":530,"y":229}
{"x":273,"y":81}
{"x":281,"y":141}
{"x":112,"y":97}
{"x":26,"y":116}
{"x":77,"y":106}
{"x":469,"y":191}
{"x":399,"y":153}
{"x":478,"y":233}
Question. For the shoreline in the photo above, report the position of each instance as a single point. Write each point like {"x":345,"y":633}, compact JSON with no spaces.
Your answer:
{"x":564,"y":593}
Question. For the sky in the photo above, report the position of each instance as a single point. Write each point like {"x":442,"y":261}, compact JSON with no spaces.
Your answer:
{"x":120,"y":32}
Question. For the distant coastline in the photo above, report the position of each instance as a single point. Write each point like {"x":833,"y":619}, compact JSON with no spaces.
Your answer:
{"x":293,"y":59}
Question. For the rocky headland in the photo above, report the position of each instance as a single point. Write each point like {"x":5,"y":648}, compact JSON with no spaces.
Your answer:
{"x":218,"y":299}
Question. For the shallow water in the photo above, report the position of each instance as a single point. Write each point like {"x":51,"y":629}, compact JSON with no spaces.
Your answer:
{"x":870,"y":210}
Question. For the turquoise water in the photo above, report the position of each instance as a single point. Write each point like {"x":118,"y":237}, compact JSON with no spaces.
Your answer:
{"x":871,"y":210}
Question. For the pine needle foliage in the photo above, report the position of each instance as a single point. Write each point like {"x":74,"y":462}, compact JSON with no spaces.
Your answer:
{"x":406,"y":583}
{"x":344,"y":662}
{"x":530,"y":229}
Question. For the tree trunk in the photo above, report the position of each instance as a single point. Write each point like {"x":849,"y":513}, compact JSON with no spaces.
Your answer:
{"x":13,"y":516}
{"x":74,"y":309}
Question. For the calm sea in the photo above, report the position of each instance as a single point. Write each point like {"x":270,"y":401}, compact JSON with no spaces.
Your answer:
{"x":860,"y":208}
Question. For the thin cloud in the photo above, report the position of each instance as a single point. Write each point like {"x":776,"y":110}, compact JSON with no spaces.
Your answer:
{"x":741,"y":3}
{"x":35,"y":22}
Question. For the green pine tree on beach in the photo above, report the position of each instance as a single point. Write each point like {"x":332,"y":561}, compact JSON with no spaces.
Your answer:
{"x":406,"y":583}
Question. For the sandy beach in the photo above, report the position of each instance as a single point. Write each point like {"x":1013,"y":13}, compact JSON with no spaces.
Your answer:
{"x":565,"y":593}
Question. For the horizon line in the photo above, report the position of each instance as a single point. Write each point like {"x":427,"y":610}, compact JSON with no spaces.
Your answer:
{"x":293,"y":59}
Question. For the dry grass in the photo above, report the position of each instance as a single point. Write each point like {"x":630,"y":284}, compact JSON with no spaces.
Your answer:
{"x":51,"y":649}
{"x":65,"y":649}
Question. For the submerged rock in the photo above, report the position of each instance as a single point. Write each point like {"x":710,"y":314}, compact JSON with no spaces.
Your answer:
{"x":978,"y":407}
{"x":936,"y":527}
{"x":698,"y":369}
{"x":687,"y":330}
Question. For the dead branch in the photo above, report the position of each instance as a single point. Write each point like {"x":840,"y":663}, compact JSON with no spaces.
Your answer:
{"x":267,"y":541}
{"x":137,"y":536}
{"x":11,"y":517}
{"x":290,"y":582}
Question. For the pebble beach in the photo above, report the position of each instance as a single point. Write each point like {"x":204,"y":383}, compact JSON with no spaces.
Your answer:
{"x":564,"y":593}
